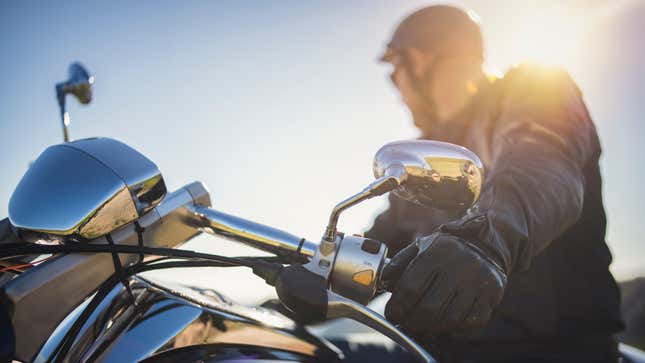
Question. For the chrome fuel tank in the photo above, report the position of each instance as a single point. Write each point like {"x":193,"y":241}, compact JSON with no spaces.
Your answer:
{"x":176,"y":322}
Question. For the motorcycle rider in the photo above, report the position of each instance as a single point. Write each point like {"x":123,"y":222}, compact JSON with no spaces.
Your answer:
{"x":523,"y":276}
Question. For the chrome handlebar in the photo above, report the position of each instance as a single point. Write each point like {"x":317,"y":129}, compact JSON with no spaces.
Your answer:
{"x":254,"y":234}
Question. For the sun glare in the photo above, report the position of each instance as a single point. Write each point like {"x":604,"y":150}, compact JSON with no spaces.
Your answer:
{"x":551,"y":39}
{"x":554,"y":33}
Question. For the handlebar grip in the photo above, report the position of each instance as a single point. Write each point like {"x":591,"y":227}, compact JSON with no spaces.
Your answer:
{"x":302,"y":292}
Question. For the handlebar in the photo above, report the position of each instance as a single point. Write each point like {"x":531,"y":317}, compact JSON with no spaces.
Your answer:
{"x":254,"y":234}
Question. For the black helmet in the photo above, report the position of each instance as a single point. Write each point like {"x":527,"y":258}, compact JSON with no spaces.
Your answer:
{"x":441,"y":29}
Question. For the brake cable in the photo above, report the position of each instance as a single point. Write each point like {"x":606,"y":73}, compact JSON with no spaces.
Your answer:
{"x":10,"y":250}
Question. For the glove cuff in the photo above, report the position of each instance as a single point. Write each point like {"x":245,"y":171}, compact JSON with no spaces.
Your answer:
{"x":477,"y":233}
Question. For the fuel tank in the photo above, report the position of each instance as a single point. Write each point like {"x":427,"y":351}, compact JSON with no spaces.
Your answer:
{"x":177,"y":323}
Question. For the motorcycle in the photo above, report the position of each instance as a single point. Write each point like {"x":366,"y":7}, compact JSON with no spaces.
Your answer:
{"x":89,"y":216}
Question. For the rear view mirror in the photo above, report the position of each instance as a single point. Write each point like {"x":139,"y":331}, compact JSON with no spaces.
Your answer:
{"x":78,"y":84}
{"x":432,"y":173}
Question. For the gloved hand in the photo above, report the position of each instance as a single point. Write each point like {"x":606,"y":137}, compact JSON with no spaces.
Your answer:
{"x":446,"y":285}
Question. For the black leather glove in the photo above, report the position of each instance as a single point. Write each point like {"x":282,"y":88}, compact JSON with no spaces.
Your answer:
{"x":446,"y":285}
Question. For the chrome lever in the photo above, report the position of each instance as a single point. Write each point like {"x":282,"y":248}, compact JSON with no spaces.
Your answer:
{"x":341,"y":307}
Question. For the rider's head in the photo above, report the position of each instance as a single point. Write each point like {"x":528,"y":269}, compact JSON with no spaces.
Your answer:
{"x":437,"y":55}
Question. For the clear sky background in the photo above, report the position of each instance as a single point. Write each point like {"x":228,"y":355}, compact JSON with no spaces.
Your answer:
{"x":278,"y":107}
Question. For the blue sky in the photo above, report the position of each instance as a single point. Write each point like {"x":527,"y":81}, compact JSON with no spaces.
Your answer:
{"x":278,"y":107}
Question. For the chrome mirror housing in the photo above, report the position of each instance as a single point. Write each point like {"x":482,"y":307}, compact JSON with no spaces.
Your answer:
{"x":432,"y":173}
{"x":85,"y":189}
{"x":79,"y":84}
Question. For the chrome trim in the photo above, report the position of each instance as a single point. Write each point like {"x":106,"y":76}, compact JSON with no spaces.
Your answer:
{"x":322,"y":262}
{"x":631,"y":354}
{"x":140,"y":175}
{"x":356,"y":272}
{"x":85,"y":189}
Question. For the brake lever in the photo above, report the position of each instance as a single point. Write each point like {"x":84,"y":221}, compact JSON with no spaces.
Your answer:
{"x":341,"y":307}
{"x":306,"y":295}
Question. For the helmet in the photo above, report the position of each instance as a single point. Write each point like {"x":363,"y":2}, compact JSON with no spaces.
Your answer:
{"x":441,"y":29}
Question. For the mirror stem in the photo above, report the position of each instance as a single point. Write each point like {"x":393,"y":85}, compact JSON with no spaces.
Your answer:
{"x":378,"y":187}
{"x":64,"y":115}
{"x":65,"y":118}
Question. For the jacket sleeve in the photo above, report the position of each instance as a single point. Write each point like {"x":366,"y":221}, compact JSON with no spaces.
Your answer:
{"x":533,"y":190}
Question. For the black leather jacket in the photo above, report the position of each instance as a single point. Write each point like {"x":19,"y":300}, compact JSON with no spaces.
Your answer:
{"x":540,"y":213}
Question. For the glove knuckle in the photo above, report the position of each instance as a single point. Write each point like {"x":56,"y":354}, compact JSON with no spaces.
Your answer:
{"x":403,"y":292}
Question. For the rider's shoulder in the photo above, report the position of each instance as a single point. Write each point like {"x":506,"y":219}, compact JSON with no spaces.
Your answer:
{"x":537,"y":79}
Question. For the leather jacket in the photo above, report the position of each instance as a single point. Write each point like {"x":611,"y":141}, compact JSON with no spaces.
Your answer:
{"x":540,"y":213}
